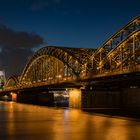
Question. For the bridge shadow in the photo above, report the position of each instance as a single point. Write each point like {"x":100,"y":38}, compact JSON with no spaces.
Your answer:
{"x":132,"y":113}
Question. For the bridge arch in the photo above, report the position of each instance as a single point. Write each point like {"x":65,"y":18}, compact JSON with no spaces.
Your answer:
{"x":115,"y":41}
{"x":125,"y":56}
{"x":52,"y":64}
{"x":55,"y":62}
{"x":12,"y":82}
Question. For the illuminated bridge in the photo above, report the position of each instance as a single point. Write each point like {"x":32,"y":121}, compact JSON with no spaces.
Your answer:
{"x":62,"y":67}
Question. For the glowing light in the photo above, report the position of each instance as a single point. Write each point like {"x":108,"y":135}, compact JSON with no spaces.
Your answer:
{"x":50,"y":78}
{"x":14,"y":96}
{"x":59,"y":76}
{"x":64,"y":79}
{"x":75,"y":98}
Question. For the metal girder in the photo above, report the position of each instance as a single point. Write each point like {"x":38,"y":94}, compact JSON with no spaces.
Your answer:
{"x":71,"y":60}
{"x":12,"y":82}
{"x":125,"y":57}
{"x":113,"y":42}
{"x":52,"y":64}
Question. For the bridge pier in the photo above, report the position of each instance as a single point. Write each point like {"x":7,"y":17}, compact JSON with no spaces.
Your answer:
{"x":100,"y":99}
{"x":14,"y":96}
{"x":35,"y":97}
{"x":126,"y":98}
{"x":75,"y":98}
{"x":131,"y":97}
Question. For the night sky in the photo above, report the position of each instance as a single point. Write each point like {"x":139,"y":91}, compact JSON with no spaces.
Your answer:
{"x":27,"y":25}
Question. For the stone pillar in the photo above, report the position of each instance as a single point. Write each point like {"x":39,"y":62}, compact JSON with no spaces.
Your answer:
{"x":75,"y":98}
{"x":100,"y":99}
{"x":131,"y":97}
{"x":14,"y":96}
{"x":36,"y":97}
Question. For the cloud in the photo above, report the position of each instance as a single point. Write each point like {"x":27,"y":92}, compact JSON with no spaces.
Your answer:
{"x":12,"y":61}
{"x":15,"y":49}
{"x":10,"y":38}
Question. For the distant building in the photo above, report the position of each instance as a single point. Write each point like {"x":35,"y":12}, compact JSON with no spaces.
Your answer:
{"x":2,"y":79}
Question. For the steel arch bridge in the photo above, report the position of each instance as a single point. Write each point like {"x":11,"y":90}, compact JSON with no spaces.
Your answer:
{"x":52,"y":64}
{"x":12,"y":82}
{"x":120,"y":53}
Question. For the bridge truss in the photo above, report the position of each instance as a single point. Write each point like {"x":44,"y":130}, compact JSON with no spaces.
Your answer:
{"x":55,"y":64}
{"x":120,"y":53}
{"x":51,"y":64}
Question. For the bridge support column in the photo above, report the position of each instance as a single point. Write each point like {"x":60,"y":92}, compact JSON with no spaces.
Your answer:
{"x":75,"y":98}
{"x":14,"y":96}
{"x":100,"y":99}
{"x":131,"y":98}
{"x":36,"y":97}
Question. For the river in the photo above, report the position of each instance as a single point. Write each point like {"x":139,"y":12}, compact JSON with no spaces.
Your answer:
{"x":31,"y":122}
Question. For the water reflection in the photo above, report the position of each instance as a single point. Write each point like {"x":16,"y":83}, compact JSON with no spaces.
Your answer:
{"x":20,"y":121}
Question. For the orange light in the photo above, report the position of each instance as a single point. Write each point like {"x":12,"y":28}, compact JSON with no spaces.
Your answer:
{"x":75,"y":98}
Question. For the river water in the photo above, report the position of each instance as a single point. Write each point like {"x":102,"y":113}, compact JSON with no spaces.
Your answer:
{"x":31,"y":122}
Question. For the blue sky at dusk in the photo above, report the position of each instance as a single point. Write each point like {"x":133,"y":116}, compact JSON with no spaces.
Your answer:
{"x":27,"y":25}
{"x":73,"y":23}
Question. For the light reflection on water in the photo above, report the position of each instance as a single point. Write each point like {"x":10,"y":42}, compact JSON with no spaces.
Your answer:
{"x":21,"y":121}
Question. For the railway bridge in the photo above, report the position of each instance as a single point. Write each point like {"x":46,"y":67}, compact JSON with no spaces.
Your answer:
{"x":104,"y":77}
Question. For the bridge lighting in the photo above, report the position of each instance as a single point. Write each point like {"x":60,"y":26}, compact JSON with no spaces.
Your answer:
{"x":64,"y":79}
{"x":59,"y":76}
{"x":100,"y":64}
{"x":14,"y":96}
{"x":75,"y":98}
{"x":120,"y":54}
{"x":50,"y":78}
{"x":98,"y":68}
{"x":133,"y":86}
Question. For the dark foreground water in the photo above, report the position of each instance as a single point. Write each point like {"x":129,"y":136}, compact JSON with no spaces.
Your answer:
{"x":29,"y":122}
